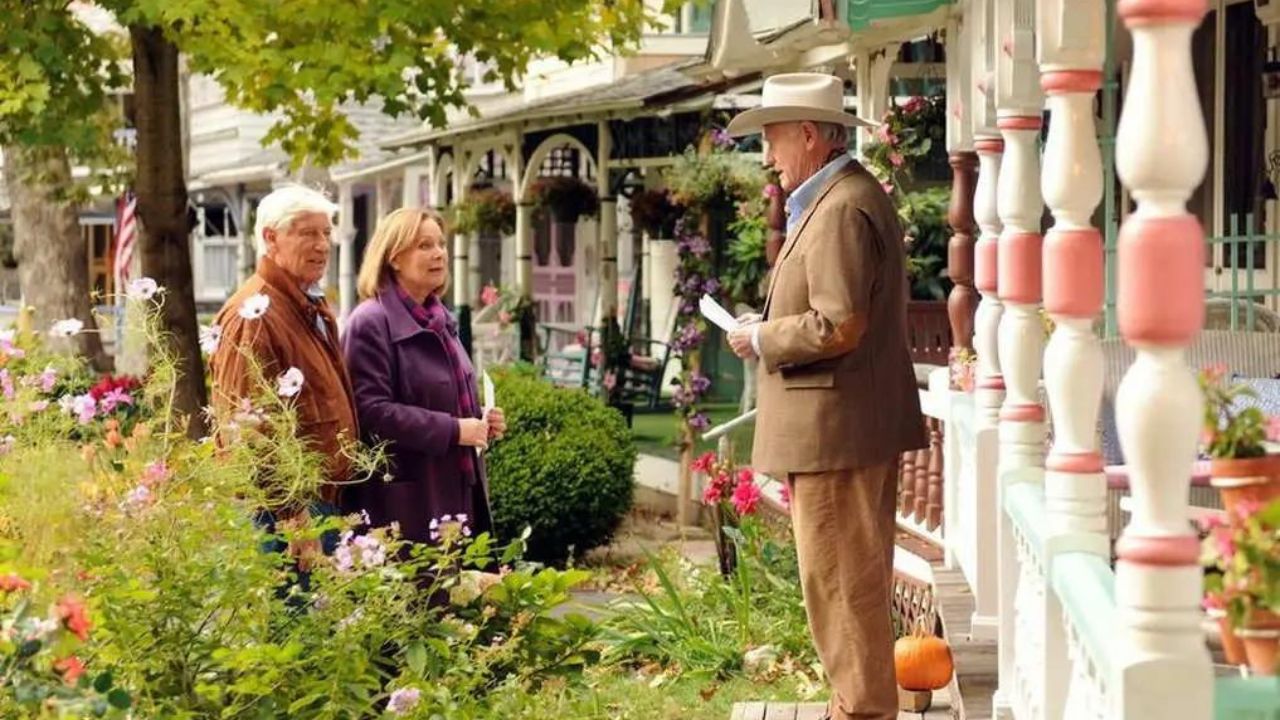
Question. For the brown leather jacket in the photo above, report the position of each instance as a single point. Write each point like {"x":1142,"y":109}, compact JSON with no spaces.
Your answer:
{"x":288,"y":335}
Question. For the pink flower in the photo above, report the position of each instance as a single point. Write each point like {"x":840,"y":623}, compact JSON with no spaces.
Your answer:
{"x":504,"y":317}
{"x":1215,"y":372}
{"x":114,"y":398}
{"x":6,"y":383}
{"x":745,"y":497}
{"x":786,"y":496}
{"x":1226,"y":544}
{"x":772,"y":191}
{"x":1213,"y":601}
{"x":914,"y":105}
{"x":1273,"y":428}
{"x":882,"y":133}
{"x":48,"y":379}
{"x":1246,"y":509}
{"x":896,"y":159}
{"x":704,"y":462}
{"x":887,"y":187}
{"x":489,"y":295}
{"x":1209,"y":523}
{"x":711,"y":494}
{"x":610,"y":380}
{"x":156,"y":472}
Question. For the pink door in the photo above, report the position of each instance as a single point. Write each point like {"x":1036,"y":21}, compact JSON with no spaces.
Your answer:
{"x":554,"y":272}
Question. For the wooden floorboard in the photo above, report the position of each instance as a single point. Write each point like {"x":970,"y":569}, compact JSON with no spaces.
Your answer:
{"x":975,"y":679}
{"x":941,"y":710}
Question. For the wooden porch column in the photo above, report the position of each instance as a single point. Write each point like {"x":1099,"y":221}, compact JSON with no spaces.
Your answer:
{"x":608,"y":227}
{"x":1161,"y":668}
{"x":346,"y":252}
{"x":962,"y":304}
{"x":1019,"y":105}
{"x":1071,"y":44}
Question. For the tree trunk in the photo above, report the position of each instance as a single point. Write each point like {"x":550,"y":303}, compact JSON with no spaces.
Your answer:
{"x":162,"y":208}
{"x":53,"y":258}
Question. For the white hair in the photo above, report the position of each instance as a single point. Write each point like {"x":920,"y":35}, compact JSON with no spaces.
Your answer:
{"x":278,"y":210}
{"x":834,"y":133}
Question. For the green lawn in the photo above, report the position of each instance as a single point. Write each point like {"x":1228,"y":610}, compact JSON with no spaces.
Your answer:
{"x":654,"y":432}
{"x":617,"y":694}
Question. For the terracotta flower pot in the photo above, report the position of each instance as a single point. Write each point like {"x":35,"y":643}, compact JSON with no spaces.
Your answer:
{"x":1246,"y":479}
{"x":1262,"y":647}
{"x":1232,"y":646}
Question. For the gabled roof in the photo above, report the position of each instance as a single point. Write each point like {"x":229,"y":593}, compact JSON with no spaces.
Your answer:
{"x":633,"y":92}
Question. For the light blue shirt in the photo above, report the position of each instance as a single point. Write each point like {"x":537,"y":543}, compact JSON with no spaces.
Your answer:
{"x":799,"y":201}
{"x":804,"y":196}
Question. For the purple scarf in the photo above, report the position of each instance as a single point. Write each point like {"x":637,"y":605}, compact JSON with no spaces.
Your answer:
{"x":434,"y":317}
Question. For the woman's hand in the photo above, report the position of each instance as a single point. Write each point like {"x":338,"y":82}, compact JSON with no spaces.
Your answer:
{"x":473,"y":432}
{"x":497,"y":423}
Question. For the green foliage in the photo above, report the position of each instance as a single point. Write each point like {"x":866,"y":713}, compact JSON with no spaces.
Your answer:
{"x":195,"y":615}
{"x":565,"y":468}
{"x":746,"y":263}
{"x":924,"y":219}
{"x":489,"y":211}
{"x":908,"y":134}
{"x":567,"y":198}
{"x":303,"y":59}
{"x":1231,"y":429}
{"x":56,"y":78}
{"x":719,"y":178}
{"x":1242,"y":553}
{"x":709,"y":624}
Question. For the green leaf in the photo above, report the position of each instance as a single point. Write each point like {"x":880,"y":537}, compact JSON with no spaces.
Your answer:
{"x":103,"y":682}
{"x":416,"y":657}
{"x":119,"y":699}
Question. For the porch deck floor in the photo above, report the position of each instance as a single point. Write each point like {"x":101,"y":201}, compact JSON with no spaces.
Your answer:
{"x":941,"y":710}
{"x":974,"y":683}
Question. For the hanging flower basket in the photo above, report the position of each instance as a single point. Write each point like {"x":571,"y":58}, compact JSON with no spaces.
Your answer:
{"x":654,"y":212}
{"x":566,"y":198}
{"x":488,"y":212}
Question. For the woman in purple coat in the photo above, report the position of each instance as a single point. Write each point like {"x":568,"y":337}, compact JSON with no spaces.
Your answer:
{"x":415,"y":388}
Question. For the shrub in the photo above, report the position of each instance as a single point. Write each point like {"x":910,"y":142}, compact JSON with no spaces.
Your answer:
{"x":565,"y":468}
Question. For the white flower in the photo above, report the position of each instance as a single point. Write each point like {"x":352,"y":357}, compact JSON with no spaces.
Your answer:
{"x":255,"y":306}
{"x":210,"y":336}
{"x":66,"y":328}
{"x":290,"y":383}
{"x":67,"y":403}
{"x":403,"y":700}
{"x":142,"y":288}
{"x":140,"y":495}
{"x":6,"y":444}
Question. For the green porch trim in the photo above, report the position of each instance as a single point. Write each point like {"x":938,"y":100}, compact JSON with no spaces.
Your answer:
{"x":861,"y":13}
{"x":1086,"y":587}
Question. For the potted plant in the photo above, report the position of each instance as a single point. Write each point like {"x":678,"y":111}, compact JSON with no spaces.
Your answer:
{"x":1233,"y":437}
{"x":1242,"y":550}
{"x":487,"y":211}
{"x":962,"y":364}
{"x":654,"y":212}
{"x":567,"y":198}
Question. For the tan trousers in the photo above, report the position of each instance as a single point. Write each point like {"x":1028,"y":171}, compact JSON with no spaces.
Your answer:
{"x":844,"y":525}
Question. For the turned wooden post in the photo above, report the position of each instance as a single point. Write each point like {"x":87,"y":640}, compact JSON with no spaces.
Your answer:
{"x":933,"y":508}
{"x":907,"y":483}
{"x":962,"y":303}
{"x":922,"y":481}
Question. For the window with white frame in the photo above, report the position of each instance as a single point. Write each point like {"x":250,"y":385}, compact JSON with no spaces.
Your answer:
{"x":217,"y":252}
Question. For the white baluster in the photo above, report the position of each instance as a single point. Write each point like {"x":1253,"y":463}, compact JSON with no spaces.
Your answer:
{"x":1019,"y":105}
{"x":1071,"y":54}
{"x":1162,"y":666}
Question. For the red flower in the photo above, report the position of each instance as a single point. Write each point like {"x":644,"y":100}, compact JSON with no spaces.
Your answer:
{"x":75,"y":616}
{"x":12,"y":583}
{"x":914,"y":105}
{"x":71,"y":668}
{"x":746,"y":475}
{"x":704,"y":462}
{"x":745,"y":497}
{"x":711,"y":494}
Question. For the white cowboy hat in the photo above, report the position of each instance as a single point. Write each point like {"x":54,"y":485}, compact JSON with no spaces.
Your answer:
{"x":792,"y":97}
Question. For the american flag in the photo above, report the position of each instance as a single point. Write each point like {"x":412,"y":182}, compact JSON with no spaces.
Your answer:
{"x":126,"y":238}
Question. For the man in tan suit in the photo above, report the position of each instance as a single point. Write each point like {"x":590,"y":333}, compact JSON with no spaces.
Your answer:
{"x":837,"y":395}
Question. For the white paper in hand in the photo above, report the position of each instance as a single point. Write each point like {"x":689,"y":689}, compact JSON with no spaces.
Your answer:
{"x":489,"y":402}
{"x":715,"y":312}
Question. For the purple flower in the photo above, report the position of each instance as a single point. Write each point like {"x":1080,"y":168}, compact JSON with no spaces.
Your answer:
{"x":48,"y":379}
{"x":6,"y":383}
{"x":85,"y":408}
{"x":711,"y":286}
{"x":722,"y":138}
{"x":114,"y":398}
{"x":137,"y":497}
{"x":688,"y":308}
{"x":700,"y":383}
{"x":699,"y":421}
{"x":403,"y":700}
{"x":692,"y":285}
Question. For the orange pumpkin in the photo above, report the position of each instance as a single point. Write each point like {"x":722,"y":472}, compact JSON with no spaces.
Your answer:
{"x":922,"y":662}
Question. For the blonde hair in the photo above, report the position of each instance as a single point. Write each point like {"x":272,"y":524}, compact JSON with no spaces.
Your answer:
{"x":395,"y":233}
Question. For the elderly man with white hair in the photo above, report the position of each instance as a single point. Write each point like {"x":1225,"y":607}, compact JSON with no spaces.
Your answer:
{"x":277,"y":328}
{"x":837,"y":395}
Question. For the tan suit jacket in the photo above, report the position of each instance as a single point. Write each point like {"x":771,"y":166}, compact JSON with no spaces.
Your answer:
{"x":836,"y":389}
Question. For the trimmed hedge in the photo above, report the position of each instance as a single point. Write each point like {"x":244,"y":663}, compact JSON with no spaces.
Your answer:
{"x":565,"y":467}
